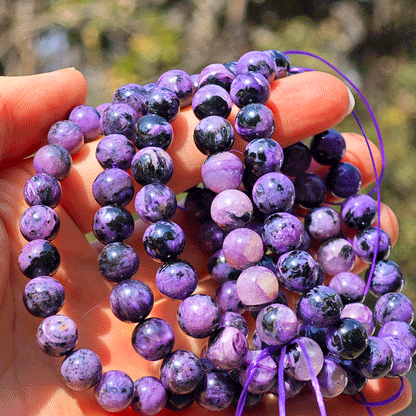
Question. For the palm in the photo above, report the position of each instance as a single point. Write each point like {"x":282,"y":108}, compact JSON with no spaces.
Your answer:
{"x":30,"y":380}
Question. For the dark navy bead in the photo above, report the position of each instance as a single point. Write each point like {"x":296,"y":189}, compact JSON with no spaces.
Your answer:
{"x":310,"y":190}
{"x":213,"y":134}
{"x":162,"y":102}
{"x":198,"y":203}
{"x":328,"y":147}
{"x":153,"y":130}
{"x":254,"y":121}
{"x":297,"y":159}
{"x":211,"y":100}
{"x":262,"y":156}
{"x":343,"y":180}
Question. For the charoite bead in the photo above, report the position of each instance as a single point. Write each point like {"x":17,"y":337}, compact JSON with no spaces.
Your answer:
{"x":219,"y":269}
{"x":227,"y":297}
{"x":132,"y":95}
{"x":66,"y":134}
{"x":153,"y":130}
{"x":88,"y":120}
{"x":343,"y":180}
{"x":235,"y":320}
{"x":281,"y":63}
{"x":402,"y":357}
{"x":297,"y":159}
{"x":115,"y":150}
{"x":42,"y":189}
{"x":39,"y":222}
{"x":150,"y":397}
{"x":263,"y":156}
{"x":162,"y":102}
{"x":361,"y":313}
{"x":119,"y":119}
{"x":336,"y":255}
{"x":364,"y":244}
{"x":349,"y":286}
{"x":256,"y":62}
{"x":332,"y":378}
{"x":54,"y":160}
{"x":394,"y":307}
{"x":211,"y":100}
{"x":328,"y":147}
{"x":249,"y":88}
{"x":322,"y":223}
{"x":401,"y":330}
{"x":359,"y":211}
{"x":387,"y":277}
{"x":217,"y":74}
{"x":180,"y":83}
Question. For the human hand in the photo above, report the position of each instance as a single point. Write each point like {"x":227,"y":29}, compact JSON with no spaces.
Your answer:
{"x":30,"y":381}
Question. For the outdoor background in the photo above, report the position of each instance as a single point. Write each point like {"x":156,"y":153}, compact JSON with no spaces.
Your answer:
{"x":114,"y":42}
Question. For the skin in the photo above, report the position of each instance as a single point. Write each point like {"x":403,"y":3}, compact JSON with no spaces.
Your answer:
{"x":30,"y":380}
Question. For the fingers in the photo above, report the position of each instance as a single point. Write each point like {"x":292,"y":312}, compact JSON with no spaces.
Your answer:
{"x":30,"y":105}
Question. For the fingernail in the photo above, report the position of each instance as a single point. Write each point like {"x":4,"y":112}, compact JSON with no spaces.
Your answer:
{"x":352,"y":101}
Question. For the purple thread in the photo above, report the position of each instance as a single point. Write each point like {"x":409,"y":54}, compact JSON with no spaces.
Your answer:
{"x":95,"y":307}
{"x":281,"y":381}
{"x":370,"y":412}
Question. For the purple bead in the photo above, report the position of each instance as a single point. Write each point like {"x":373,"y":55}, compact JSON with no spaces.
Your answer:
{"x":131,"y":300}
{"x":149,"y":86}
{"x":364,"y":244}
{"x":211,"y":100}
{"x":115,"y":150}
{"x":81,"y":369}
{"x":119,"y":119}
{"x":179,"y":402}
{"x":155,"y":202}
{"x":39,"y":222}
{"x":54,"y":160}
{"x":227,"y":348}
{"x":322,"y":223}
{"x":359,"y":211}
{"x":150,"y":397}
{"x":113,"y":187}
{"x":152,"y":164}
{"x":321,"y":307}
{"x":343,"y":180}
{"x":249,"y":88}
{"x":180,"y":83}
{"x":214,"y":134}
{"x":198,"y":316}
{"x":361,"y":313}
{"x":349,"y":286}
{"x":231,"y":209}
{"x":387,"y":277}
{"x":57,"y":335}
{"x":118,"y":261}
{"x":402,"y":357}
{"x":217,"y":74}
{"x":257,"y":62}
{"x":336,"y":255}
{"x":282,"y":232}
{"x":292,"y":387}
{"x":310,"y":190}
{"x":328,"y":147}
{"x":162,"y":102}
{"x":153,"y":130}
{"x":42,"y":189}
{"x":176,"y":279}
{"x":195,"y":78}
{"x":112,"y":224}
{"x":164,"y":240}
{"x":254,"y":121}
{"x":198,"y":204}
{"x":153,"y":339}
{"x":102,"y":107}
{"x":306,"y":242}
{"x":181,"y":372}
{"x":262,"y":156}
{"x":210,"y":236}
{"x":227,"y":297}
{"x":219,"y":269}
{"x":297,"y":159}
{"x":88,"y":119}
{"x":39,"y":258}
{"x":66,"y":134}
{"x":243,"y":248}
{"x":281,"y":63}
{"x":43,"y":296}
{"x":231,"y":66}
{"x":114,"y":392}
{"x":222,"y":171}
{"x":132,"y":95}
{"x":332,"y":378}
{"x":319,"y":335}
{"x":356,"y":382}
{"x":235,"y":320}
{"x":257,"y":343}
{"x":394,"y":307}
{"x":401,"y":330}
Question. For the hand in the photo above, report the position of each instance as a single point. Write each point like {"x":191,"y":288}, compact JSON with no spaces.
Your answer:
{"x":30,"y":380}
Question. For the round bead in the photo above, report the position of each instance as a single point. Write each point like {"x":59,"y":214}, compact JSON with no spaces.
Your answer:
{"x":81,"y":369}
{"x":164,"y":240}
{"x":336,"y":255}
{"x":235,"y":320}
{"x":364,"y":244}
{"x":149,"y":86}
{"x":115,"y":150}
{"x":254,"y":121}
{"x":153,"y":130}
{"x":319,"y":335}
{"x":153,"y":339}
{"x":349,"y":286}
{"x":361,"y":313}
{"x":297,"y":159}
{"x":310,"y":190}
{"x":54,"y":160}
{"x":150,"y":397}
{"x":402,"y":357}
{"x":217,"y":74}
{"x":66,"y":134}
{"x":132,"y":95}
{"x":43,"y":296}
{"x":249,"y":88}
{"x":211,"y":100}
{"x":262,"y":156}
{"x":332,"y":379}
{"x":114,"y":392}
{"x":112,"y":224}
{"x":328,"y":147}
{"x":39,"y":222}
{"x":322,"y":223}
{"x":152,"y":164}
{"x":102,"y":107}
{"x":343,"y":180}
{"x":257,"y":62}
{"x":119,"y":119}
{"x":231,"y":65}
{"x":195,"y":78}
{"x":39,"y":258}
{"x":180,"y":83}
{"x":219,"y":269}
{"x":88,"y":119}
{"x":387,"y":277}
{"x":181,"y":372}
{"x":57,"y":335}
{"x":394,"y":307}
{"x":227,"y":297}
{"x":292,"y":387}
{"x":401,"y":330}
{"x":281,"y":63}
{"x":118,"y":261}
{"x":131,"y":300}
{"x":356,"y":382}
{"x":198,"y":203}
{"x":179,"y":402}
{"x":42,"y":189}
{"x":176,"y":279}
{"x":359,"y":211}
{"x":210,"y":236}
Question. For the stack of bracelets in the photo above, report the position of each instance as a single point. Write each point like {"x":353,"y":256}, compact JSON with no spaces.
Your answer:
{"x":259,"y":214}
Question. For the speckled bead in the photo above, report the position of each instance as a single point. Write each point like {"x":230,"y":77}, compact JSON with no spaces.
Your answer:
{"x":310,"y":190}
{"x":114,"y":392}
{"x":319,"y":335}
{"x":402,"y":357}
{"x":181,"y":372}
{"x":153,"y":131}
{"x":210,"y":236}
{"x":249,"y":88}
{"x":361,"y":313}
{"x":328,"y":147}
{"x":132,"y":95}
{"x":322,"y":223}
{"x":227,"y":298}
{"x":359,"y":211}
{"x":219,"y":269}
{"x":131,"y":300}
{"x":179,"y":402}
{"x":292,"y":387}
{"x":102,"y":107}
{"x":180,"y":83}
{"x":401,"y":330}
{"x":39,"y":258}
{"x":332,"y":378}
{"x":394,"y":307}
{"x":356,"y":382}
{"x":257,"y":62}
{"x":39,"y":222}
{"x":81,"y":369}
{"x":115,"y":151}
{"x":217,"y":74}
{"x":42,"y":189}
{"x":119,"y":119}
{"x":150,"y":397}
{"x":211,"y":100}
{"x":262,"y":156}
{"x":254,"y":121}
{"x":112,"y":224}
{"x":297,"y":159}
{"x":54,"y":160}
{"x":195,"y":78}
{"x":281,"y":63}
{"x":88,"y":119}
{"x":66,"y":134}
{"x":57,"y":335}
{"x":387,"y":277}
{"x":343,"y":180}
{"x":364,"y":244}
{"x":349,"y":286}
{"x":152,"y":164}
{"x":235,"y":320}
{"x":162,"y":102}
{"x":149,"y":86}
{"x":336,"y":255}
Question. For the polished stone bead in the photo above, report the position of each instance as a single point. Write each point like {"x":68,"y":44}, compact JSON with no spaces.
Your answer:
{"x":235,"y":320}
{"x":297,"y":159}
{"x":249,"y":88}
{"x":119,"y":119}
{"x":359,"y":211}
{"x":361,"y":313}
{"x":132,"y":95}
{"x":179,"y":402}
{"x":150,"y":397}
{"x":153,"y":131}
{"x":210,"y":236}
{"x":254,"y":121}
{"x":198,"y":203}
{"x":217,"y":74}
{"x":115,"y":151}
{"x":262,"y":156}
{"x":332,"y":378}
{"x":322,"y":223}
{"x":102,"y":107}
{"x":310,"y":190}
{"x":66,"y":134}
{"x":343,"y":180}
{"x":54,"y":160}
{"x":88,"y":119}
{"x":281,"y":62}
{"x":364,"y":244}
{"x":39,"y":222}
{"x":356,"y":382}
{"x":42,"y":189}
{"x":402,"y":357}
{"x":180,"y":83}
{"x":219,"y":269}
{"x":328,"y":147}
{"x":257,"y":62}
{"x":394,"y":307}
{"x":227,"y":298}
{"x":401,"y":330}
{"x":336,"y":255}
{"x":349,"y":286}
{"x":387,"y":277}
{"x":195,"y":78}
{"x":162,"y":102}
{"x":149,"y":86}
{"x":211,"y":100}
{"x":319,"y":335}
{"x":292,"y":387}
{"x":231,"y":65}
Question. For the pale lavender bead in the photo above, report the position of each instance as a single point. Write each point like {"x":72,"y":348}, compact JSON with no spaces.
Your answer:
{"x":210,"y":236}
{"x":394,"y":307}
{"x":359,"y":211}
{"x":150,"y":397}
{"x":115,"y":150}
{"x":39,"y":222}
{"x":336,"y":255}
{"x":88,"y":119}
{"x":254,"y":121}
{"x":227,"y":348}
{"x":102,"y":107}
{"x":195,"y":78}
{"x":231,"y":209}
{"x":222,"y":171}
{"x":332,"y":378}
{"x":402,"y":357}
{"x":234,"y":319}
{"x":81,"y":369}
{"x":387,"y":277}
{"x":216,"y":74}
{"x":219,"y":269}
{"x":180,"y":83}
{"x":349,"y":286}
{"x":361,"y":313}
{"x":400,"y":330}
{"x":54,"y":160}
{"x":66,"y":134}
{"x":292,"y":387}
{"x":42,"y":189}
{"x":262,"y":156}
{"x":149,"y":86}
{"x":57,"y":335}
{"x":256,"y":61}
{"x":227,"y":298}
{"x":132,"y":95}
{"x":322,"y":223}
{"x":364,"y":244}
{"x":114,"y":392}
{"x":119,"y":119}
